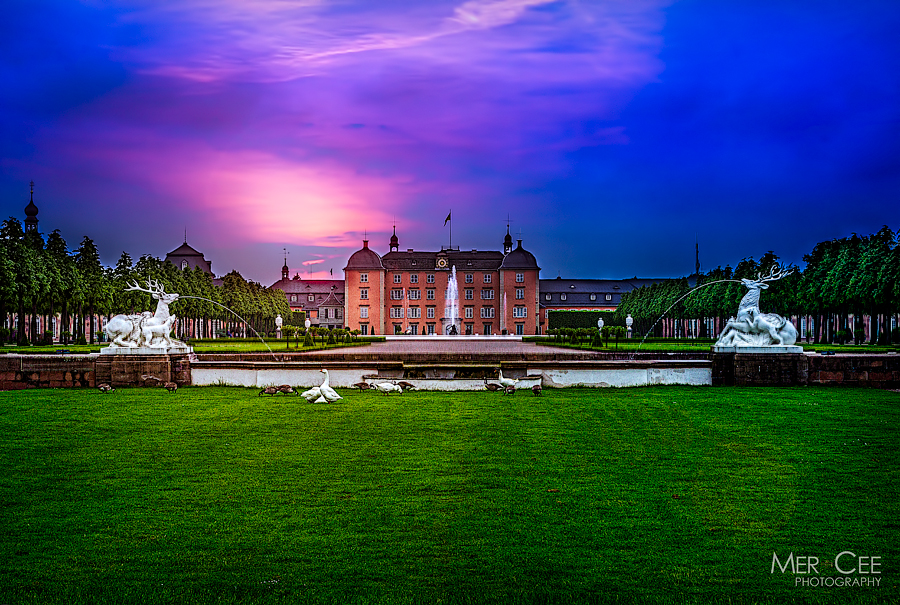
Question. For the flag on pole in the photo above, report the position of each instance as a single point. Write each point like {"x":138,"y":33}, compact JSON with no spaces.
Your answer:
{"x":447,"y":219}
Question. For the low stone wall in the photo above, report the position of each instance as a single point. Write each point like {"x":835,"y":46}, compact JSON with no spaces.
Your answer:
{"x":62,"y":371}
{"x":781,"y":369}
{"x":881,"y":371}
{"x":728,"y":369}
{"x":40,"y":371}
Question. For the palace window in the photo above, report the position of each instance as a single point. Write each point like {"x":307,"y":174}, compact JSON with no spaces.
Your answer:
{"x":520,"y":293}
{"x":364,"y":278}
{"x":547,"y":297}
{"x":415,"y":313}
{"x":487,"y":312}
{"x":487,"y":294}
{"x":429,"y":278}
{"x":396,"y":312}
{"x":520,"y":278}
{"x":364,"y":312}
{"x":469,"y":312}
{"x":593,"y":297}
{"x":609,"y":297}
{"x":339,"y":313}
{"x":470,"y":294}
{"x":429,"y":294}
{"x":397,"y":278}
{"x":323,"y":313}
{"x":562,"y":297}
{"x":364,"y":329}
{"x":293,"y":298}
{"x":520,"y":329}
{"x":487,"y":278}
{"x":396,"y":293}
{"x":429,"y":328}
{"x":469,"y":278}
{"x":364,"y":294}
{"x":415,"y":294}
{"x":488,"y":329}
{"x":311,"y":298}
{"x":414,"y":328}
{"x":520,"y":312}
{"x":414,"y":278}
{"x":429,"y":312}
{"x":184,"y":265}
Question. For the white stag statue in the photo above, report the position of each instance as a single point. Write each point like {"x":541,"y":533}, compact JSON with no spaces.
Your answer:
{"x":145,"y":329}
{"x":753,"y":328}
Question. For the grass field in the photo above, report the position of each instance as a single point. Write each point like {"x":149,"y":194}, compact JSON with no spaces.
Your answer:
{"x":650,"y":495}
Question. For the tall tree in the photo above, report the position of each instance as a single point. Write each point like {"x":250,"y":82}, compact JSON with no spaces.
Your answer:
{"x":87,"y":261}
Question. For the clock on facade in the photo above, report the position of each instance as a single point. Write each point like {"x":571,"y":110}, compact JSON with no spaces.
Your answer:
{"x":442,"y":263}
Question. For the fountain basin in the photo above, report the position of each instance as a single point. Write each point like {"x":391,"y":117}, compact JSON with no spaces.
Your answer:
{"x":768,"y":349}
{"x":146,"y":351}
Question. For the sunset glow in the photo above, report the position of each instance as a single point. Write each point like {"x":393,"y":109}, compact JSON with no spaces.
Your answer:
{"x":599,"y":130}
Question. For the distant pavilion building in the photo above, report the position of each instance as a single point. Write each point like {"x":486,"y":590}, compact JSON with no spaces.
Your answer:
{"x":187,"y":258}
{"x":586,"y":294}
{"x":321,"y":299}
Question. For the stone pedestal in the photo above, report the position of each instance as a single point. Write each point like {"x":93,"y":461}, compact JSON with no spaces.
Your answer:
{"x":122,"y":369}
{"x":759,"y":366}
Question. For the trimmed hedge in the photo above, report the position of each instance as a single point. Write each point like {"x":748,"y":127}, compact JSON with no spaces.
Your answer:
{"x":581,"y":319}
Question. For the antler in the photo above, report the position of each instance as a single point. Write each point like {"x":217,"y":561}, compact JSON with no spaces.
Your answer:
{"x":775,"y":273}
{"x":155,"y":287}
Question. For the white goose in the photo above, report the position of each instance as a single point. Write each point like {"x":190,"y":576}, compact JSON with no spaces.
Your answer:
{"x":507,"y":382}
{"x":388,"y":387}
{"x":329,"y":394}
{"x":311,"y":395}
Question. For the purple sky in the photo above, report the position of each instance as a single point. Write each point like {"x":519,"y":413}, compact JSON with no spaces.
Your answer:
{"x":613,"y":134}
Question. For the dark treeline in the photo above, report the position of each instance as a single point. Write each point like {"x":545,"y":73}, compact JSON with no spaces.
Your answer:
{"x":44,"y":279}
{"x":850,"y":288}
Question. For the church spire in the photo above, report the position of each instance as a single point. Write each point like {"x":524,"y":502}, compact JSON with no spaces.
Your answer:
{"x":395,"y":243}
{"x":31,"y":212}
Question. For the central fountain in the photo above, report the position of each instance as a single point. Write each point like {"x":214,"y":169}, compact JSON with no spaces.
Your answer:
{"x":450,"y":322}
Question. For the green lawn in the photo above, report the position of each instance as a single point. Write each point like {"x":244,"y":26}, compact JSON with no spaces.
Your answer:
{"x":657,"y":495}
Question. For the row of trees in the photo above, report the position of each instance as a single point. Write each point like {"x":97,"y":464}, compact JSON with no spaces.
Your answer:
{"x":844,"y":281}
{"x":45,"y":279}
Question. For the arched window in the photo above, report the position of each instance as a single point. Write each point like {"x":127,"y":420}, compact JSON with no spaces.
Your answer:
{"x":184,"y":265}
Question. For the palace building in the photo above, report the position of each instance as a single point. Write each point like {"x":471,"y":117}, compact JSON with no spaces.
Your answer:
{"x":405,"y":292}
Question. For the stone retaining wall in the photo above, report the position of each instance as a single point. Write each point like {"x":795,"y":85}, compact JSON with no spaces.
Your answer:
{"x":39,"y":371}
{"x":785,"y":369}
{"x":739,"y":369}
